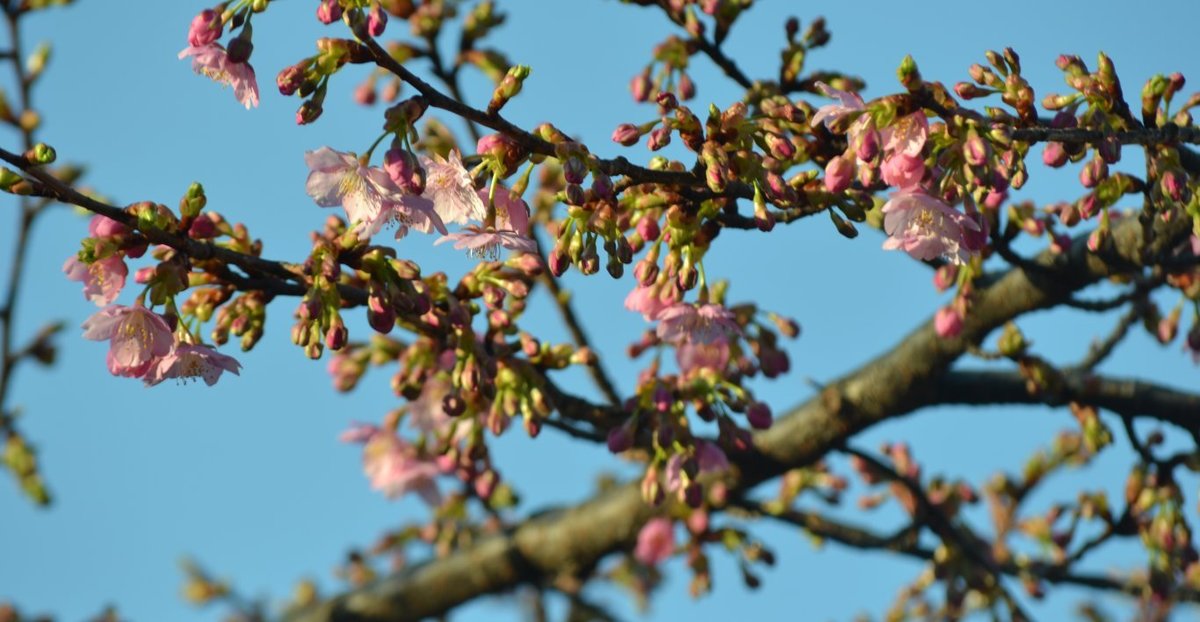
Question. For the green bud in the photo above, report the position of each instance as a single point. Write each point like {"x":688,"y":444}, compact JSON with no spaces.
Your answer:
{"x":909,"y":75}
{"x":41,"y":154}
{"x":193,"y":201}
{"x":8,"y":177}
{"x":1012,"y":341}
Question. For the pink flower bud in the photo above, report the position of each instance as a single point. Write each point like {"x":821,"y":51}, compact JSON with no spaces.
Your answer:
{"x":1093,"y":173}
{"x":626,"y":134}
{"x":364,"y":93}
{"x":376,"y":21}
{"x":868,"y":148}
{"x":574,"y":170}
{"x":291,"y":78}
{"x":903,"y":171}
{"x":758,"y":415}
{"x":839,"y":172}
{"x":686,"y":88}
{"x":659,"y":138}
{"x":205,"y":28}
{"x":945,"y":277}
{"x":995,"y":199}
{"x":1168,"y":327}
{"x":404,"y":170}
{"x":202,"y":228}
{"x":975,"y":151}
{"x":144,"y":275}
{"x":1172,"y":185}
{"x":336,"y":336}
{"x":947,"y":322}
{"x":329,"y":11}
{"x":559,"y":262}
{"x":105,"y":227}
{"x":640,"y":86}
{"x":308,"y":112}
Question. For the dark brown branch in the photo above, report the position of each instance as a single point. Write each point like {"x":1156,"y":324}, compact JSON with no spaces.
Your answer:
{"x":1126,"y":397}
{"x":1101,"y":350}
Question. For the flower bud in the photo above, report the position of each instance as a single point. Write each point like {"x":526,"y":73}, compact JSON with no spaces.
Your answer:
{"x":948,"y":322}
{"x":640,"y":86}
{"x":205,"y":28}
{"x":659,"y":138}
{"x":329,"y":11}
{"x":626,"y":134}
{"x":758,"y":415}
{"x":1054,"y":155}
{"x":376,"y":21}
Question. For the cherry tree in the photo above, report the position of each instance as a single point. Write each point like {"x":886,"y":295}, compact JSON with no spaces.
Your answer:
{"x":930,"y":170}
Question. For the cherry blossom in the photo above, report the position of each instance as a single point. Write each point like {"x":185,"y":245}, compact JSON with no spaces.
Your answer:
{"x":829,"y":114}
{"x":371,"y":199}
{"x":138,"y":338}
{"x":102,"y":279}
{"x":212,"y":60}
{"x":700,"y":323}
{"x":650,"y":301}
{"x":925,"y":227}
{"x":448,"y":184}
{"x":188,"y":361}
{"x":393,"y":465}
{"x":485,"y":242}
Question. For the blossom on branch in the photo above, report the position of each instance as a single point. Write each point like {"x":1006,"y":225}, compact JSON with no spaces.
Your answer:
{"x":485,"y":242}
{"x":213,"y":61}
{"x":393,"y":465}
{"x":369,"y":196}
{"x":102,"y":279}
{"x":137,"y":338}
{"x":925,"y":227}
{"x":699,"y":323}
{"x":449,"y":185}
{"x":655,"y":542}
{"x":188,"y":361}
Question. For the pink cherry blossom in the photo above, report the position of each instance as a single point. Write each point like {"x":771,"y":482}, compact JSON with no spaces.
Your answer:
{"x":906,"y":135}
{"x":699,"y":323}
{"x":393,"y":465}
{"x":692,"y":355}
{"x":371,"y":199}
{"x":449,"y":185}
{"x":212,"y":61}
{"x":650,"y":301}
{"x":512,"y":212}
{"x":655,"y":542}
{"x":839,"y":172}
{"x":925,"y":227}
{"x":848,"y":104}
{"x":138,"y":338}
{"x":102,"y":279}
{"x":188,"y":361}
{"x":485,"y":242}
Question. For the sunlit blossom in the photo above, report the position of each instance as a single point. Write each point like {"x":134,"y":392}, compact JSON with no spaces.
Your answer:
{"x":212,"y":60}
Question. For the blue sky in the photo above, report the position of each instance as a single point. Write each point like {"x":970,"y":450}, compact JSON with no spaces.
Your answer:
{"x":249,"y":477}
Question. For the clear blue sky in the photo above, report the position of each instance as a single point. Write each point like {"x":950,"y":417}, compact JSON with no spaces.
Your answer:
{"x":249,"y":477}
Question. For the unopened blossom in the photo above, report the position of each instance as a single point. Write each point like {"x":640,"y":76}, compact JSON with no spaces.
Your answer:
{"x":709,"y":459}
{"x":368,"y":195}
{"x":829,"y":114}
{"x":137,"y":338}
{"x":102,"y":279}
{"x":213,"y":61}
{"x":655,"y":542}
{"x":903,"y":171}
{"x":925,"y":227}
{"x":187,"y":361}
{"x":486,"y":242}
{"x":105,"y":227}
{"x":449,"y":185}
{"x":839,"y":172}
{"x":948,"y":322}
{"x":393,"y":465}
{"x":696,"y":323}
{"x":205,"y":28}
